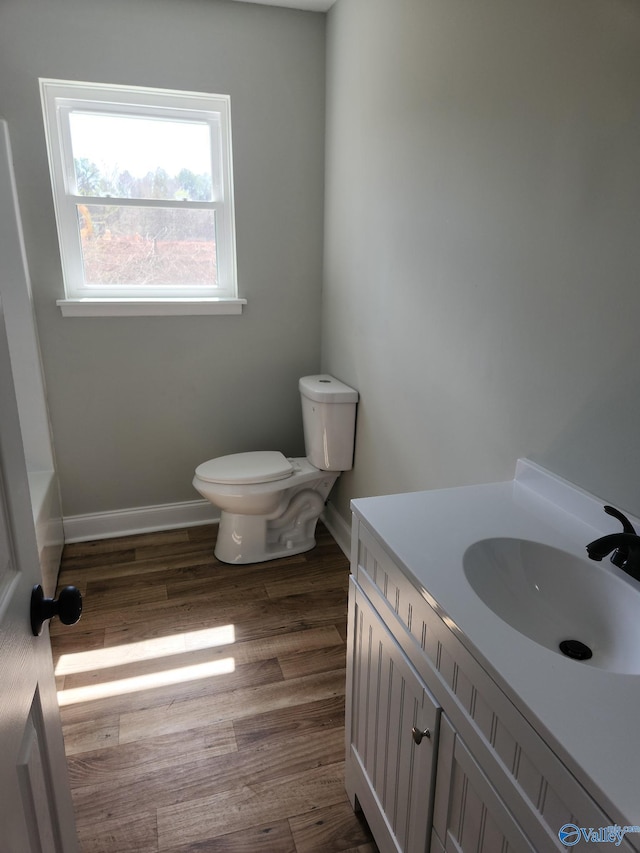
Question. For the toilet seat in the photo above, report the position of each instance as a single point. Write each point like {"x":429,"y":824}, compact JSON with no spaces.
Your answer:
{"x":261,"y":466}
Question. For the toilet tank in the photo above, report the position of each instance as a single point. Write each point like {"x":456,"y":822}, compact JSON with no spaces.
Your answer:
{"x":329,"y":421}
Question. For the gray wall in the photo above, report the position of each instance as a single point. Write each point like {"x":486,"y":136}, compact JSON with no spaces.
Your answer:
{"x":137,"y":403}
{"x":482,"y":240}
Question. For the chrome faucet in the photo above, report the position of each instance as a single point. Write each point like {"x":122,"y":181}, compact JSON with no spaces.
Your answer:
{"x":624,"y":547}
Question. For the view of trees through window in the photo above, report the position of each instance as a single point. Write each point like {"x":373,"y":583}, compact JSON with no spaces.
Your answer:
{"x":138,"y":244}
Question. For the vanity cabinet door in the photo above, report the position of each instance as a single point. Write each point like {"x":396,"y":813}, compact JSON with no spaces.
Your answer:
{"x":469,"y":816}
{"x":392,"y":728}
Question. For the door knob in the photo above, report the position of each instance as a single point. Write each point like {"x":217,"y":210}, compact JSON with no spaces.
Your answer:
{"x":67,"y":607}
{"x":418,"y":734}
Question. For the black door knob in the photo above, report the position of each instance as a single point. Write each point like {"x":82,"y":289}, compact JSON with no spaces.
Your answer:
{"x":67,"y":607}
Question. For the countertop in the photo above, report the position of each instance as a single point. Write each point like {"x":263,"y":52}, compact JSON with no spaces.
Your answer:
{"x":589,"y":717}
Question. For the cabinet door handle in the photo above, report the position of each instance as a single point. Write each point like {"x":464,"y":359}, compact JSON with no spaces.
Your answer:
{"x":418,"y":734}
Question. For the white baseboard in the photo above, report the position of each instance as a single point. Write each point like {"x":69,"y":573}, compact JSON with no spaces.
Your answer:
{"x":147,"y":519}
{"x":142,"y":519}
{"x":338,"y":528}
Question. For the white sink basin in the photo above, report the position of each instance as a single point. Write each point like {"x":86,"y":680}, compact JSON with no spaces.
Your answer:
{"x":552,"y":596}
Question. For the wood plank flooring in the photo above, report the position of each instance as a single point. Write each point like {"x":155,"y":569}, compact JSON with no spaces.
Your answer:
{"x":203,"y":704}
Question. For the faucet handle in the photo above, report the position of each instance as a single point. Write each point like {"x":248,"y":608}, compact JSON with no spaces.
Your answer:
{"x":627,"y":527}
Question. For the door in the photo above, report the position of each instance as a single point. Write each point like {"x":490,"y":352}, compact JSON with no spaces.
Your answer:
{"x":469,"y":815}
{"x":393,"y":734}
{"x":36,"y":813}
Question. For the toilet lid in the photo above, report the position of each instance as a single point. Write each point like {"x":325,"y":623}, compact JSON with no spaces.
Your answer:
{"x":261,"y":466}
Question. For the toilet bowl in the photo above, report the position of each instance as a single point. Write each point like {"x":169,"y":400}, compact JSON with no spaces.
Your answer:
{"x":269,"y":504}
{"x":263,"y":519}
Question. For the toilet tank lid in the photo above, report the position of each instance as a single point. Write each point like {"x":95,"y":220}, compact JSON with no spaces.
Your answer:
{"x":327,"y":389}
{"x":260,"y":466}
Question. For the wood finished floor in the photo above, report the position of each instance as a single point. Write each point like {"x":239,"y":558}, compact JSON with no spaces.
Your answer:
{"x":203,"y":704}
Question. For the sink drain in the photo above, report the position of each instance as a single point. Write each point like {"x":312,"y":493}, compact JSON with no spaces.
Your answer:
{"x":575,"y":649}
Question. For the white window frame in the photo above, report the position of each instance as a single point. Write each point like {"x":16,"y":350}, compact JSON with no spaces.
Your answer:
{"x":59,"y":99}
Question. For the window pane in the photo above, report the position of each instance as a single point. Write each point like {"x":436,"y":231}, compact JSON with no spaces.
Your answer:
{"x":130,"y":157}
{"x":147,"y":245}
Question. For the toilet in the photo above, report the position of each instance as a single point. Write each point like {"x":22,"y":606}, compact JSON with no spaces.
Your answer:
{"x":269,"y":504}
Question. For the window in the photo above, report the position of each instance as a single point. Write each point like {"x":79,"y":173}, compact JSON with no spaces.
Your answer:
{"x":143,"y":193}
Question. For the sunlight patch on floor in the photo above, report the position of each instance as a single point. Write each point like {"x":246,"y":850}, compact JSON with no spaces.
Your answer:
{"x":154,"y":648}
{"x":166,"y":677}
{"x":151,"y":649}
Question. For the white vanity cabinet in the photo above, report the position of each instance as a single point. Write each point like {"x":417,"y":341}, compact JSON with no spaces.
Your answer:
{"x":484,"y":780}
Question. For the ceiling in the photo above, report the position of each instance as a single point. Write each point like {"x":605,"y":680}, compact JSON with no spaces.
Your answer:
{"x":308,"y":5}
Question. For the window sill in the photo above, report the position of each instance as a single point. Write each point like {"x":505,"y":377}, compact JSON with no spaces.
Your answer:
{"x":148,"y":307}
